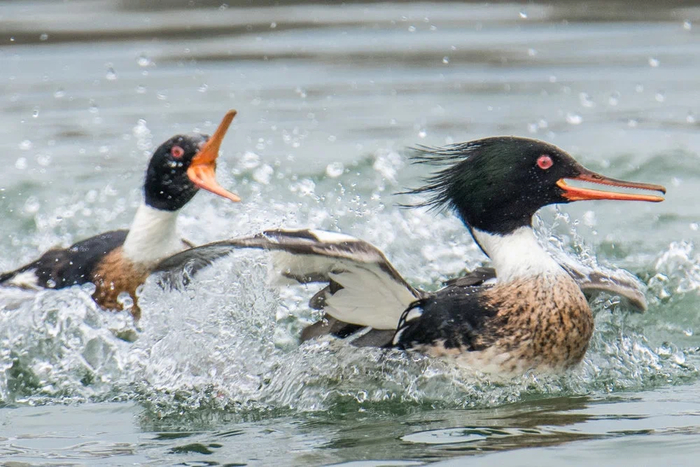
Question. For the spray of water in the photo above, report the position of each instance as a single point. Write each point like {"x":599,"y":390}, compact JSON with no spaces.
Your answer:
{"x":228,"y":341}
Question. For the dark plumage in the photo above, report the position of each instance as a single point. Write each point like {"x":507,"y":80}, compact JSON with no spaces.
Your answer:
{"x":121,"y":260}
{"x":533,"y":316}
{"x":74,"y":265}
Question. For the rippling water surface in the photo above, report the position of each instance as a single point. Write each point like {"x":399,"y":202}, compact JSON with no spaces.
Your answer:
{"x":328,"y":96}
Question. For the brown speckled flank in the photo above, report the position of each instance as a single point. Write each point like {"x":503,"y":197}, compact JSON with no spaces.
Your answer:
{"x":540,"y":322}
{"x":115,"y":275}
{"x":543,"y":320}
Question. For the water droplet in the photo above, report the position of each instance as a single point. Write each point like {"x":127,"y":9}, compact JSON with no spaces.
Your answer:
{"x":203,"y":88}
{"x":639,"y":88}
{"x":32,"y":205}
{"x":335,"y":169}
{"x":21,"y":163}
{"x":694,"y":226}
{"x":411,"y":29}
{"x":140,"y":89}
{"x":35,"y":112}
{"x":573,"y":119}
{"x":223,"y":7}
{"x":654,"y":62}
{"x":523,"y":14}
{"x":422,"y":133}
{"x":586,"y":99}
{"x":445,"y":60}
{"x":59,"y":93}
{"x":142,"y":133}
{"x":552,"y":79}
{"x":304,"y":187}
{"x":614,"y":98}
{"x":143,"y":60}
{"x":161,"y":95}
{"x":660,"y":96}
{"x":542,"y":123}
{"x":111,"y":74}
{"x":300,"y":92}
{"x":93,"y":109}
{"x":679,"y":357}
{"x":43,"y":160}
{"x":687,"y":25}
{"x":43,"y":37}
{"x":690,"y":118}
{"x":25,"y":145}
{"x":273,"y":25}
{"x":125,"y":300}
{"x":532,"y":127}
{"x":250,"y":160}
{"x":263,"y":174}
{"x":632,"y":123}
{"x":89,"y":288}
{"x":531,"y":52}
{"x":141,"y":129}
{"x":51,"y":284}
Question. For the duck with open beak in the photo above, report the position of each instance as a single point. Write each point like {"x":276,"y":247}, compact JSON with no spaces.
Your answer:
{"x":202,"y":170}
{"x":119,"y":261}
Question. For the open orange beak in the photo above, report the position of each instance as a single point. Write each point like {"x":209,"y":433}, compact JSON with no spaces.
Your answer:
{"x":573,"y":193}
{"x":202,"y":171}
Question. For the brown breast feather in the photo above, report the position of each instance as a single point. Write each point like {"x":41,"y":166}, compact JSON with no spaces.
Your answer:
{"x":543,"y":320}
{"x":116,"y":274}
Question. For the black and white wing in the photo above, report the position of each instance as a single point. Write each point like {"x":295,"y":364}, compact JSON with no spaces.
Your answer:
{"x":450,"y":320}
{"x":618,"y":282}
{"x":362,"y":289}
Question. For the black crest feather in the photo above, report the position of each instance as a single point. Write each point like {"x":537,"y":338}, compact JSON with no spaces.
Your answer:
{"x":439,"y":186}
{"x":493,"y":184}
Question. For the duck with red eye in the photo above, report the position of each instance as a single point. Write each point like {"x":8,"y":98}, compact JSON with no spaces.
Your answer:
{"x":535,"y":316}
{"x":119,"y":261}
{"x":527,"y":312}
{"x":508,"y":179}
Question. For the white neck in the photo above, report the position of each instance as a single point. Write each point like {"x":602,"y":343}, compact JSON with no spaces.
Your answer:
{"x":517,"y":255}
{"x":153,"y":236}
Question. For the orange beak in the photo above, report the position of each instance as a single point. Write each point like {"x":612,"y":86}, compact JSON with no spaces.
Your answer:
{"x":579,"y":194}
{"x":202,"y":171}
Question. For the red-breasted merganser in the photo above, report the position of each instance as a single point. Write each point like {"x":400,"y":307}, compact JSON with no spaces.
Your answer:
{"x":121,"y":260}
{"x":530,"y":314}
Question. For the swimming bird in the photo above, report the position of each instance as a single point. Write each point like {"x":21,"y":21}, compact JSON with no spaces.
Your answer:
{"x":528,"y":312}
{"x":119,"y":261}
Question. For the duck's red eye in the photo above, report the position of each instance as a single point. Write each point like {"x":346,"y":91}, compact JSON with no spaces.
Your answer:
{"x":544,"y":162}
{"x":177,"y":152}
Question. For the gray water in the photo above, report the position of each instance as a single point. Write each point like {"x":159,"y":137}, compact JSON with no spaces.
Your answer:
{"x":328,"y":97}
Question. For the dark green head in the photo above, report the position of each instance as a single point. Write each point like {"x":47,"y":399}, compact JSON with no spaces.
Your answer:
{"x":497,"y":184}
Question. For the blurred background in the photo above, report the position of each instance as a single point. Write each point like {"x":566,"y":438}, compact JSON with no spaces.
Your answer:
{"x":329,"y":95}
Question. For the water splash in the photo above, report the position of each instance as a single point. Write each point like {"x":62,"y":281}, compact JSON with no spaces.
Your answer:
{"x":228,"y":342}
